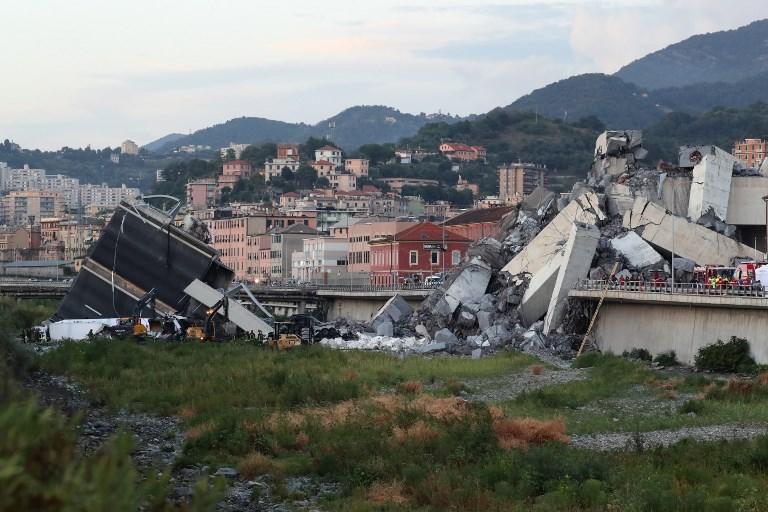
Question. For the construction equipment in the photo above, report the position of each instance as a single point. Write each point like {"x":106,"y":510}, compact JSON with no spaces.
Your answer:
{"x":281,"y":339}
{"x":133,"y":325}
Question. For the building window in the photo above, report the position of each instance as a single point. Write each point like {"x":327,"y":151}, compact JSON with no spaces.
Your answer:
{"x":456,"y":257}
{"x":414,"y":257}
{"x":435,"y":258}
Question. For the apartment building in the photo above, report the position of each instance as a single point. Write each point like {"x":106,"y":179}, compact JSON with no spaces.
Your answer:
{"x":518,"y":180}
{"x":415,"y":253}
{"x":202,"y":193}
{"x":128,"y":147}
{"x":232,"y":172}
{"x":329,"y":153}
{"x":320,"y":260}
{"x":19,"y":206}
{"x":288,"y":152}
{"x":275,"y":166}
{"x":104,"y":197}
{"x":751,"y":152}
{"x":367,"y":229}
{"x":285,"y":242}
{"x":357,"y":166}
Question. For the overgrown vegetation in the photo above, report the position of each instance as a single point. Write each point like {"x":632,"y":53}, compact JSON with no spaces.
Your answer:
{"x":731,"y":356}
{"x":41,"y":467}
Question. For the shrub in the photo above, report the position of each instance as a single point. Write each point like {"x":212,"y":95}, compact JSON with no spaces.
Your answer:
{"x":519,"y":433}
{"x":587,"y":360}
{"x":666,"y":359}
{"x":411,"y":387}
{"x":692,"y":406}
{"x":638,"y":353}
{"x":537,"y":369}
{"x":731,"y":356}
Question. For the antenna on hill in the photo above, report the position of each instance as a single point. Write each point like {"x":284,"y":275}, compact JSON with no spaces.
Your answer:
{"x":332,"y":129}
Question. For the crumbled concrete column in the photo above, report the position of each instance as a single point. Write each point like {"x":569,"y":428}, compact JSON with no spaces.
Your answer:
{"x":469,"y":285}
{"x":711,"y":184}
{"x":584,"y":209}
{"x":575,"y":265}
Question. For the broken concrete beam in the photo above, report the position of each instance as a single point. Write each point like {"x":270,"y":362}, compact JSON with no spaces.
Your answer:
{"x":385,"y":329}
{"x":618,"y":198}
{"x":711,"y":184}
{"x":637,"y":251}
{"x":394,"y":310}
{"x":539,"y":292}
{"x":697,"y":243}
{"x":584,"y":209}
{"x":236,"y":312}
{"x":469,"y":285}
{"x":575,"y":265}
{"x":445,"y":336}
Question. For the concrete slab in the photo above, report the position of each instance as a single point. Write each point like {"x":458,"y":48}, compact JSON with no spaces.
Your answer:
{"x":238,"y":314}
{"x":394,"y":310}
{"x":637,"y":251}
{"x":711,"y":184}
{"x":697,"y":243}
{"x":469,"y":285}
{"x":584,"y":209}
{"x":575,"y":265}
{"x":539,"y":292}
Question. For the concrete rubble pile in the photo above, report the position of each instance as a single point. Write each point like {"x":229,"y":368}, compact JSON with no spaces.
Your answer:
{"x":512,"y":290}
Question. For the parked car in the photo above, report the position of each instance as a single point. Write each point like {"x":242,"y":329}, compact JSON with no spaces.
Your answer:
{"x":434,"y":280}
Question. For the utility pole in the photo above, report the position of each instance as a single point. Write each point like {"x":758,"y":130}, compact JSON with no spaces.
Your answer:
{"x":765,"y":199}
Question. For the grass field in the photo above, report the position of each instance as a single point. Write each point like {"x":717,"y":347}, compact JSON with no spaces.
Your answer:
{"x":394,"y":435}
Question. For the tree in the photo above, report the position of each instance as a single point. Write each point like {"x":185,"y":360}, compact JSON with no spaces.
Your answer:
{"x":376,"y":153}
{"x":256,"y":154}
{"x":322,"y":182}
{"x":230,"y":155}
{"x":286,"y":174}
{"x":305,"y":177}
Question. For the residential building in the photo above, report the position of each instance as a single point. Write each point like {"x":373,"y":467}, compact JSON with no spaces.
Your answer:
{"x":237,"y":149}
{"x":114,"y":158}
{"x":357,"y":166}
{"x":20,"y":243}
{"x":159,"y":175}
{"x":344,"y":182}
{"x":104,"y":197}
{"x":274,"y":167}
{"x":405,"y":156}
{"x":478,"y":223}
{"x":330,"y":153}
{"x":751,"y":152}
{"x":320,"y":258}
{"x":463,"y":184}
{"x":323,"y":168}
{"x":288,"y":200}
{"x":462,"y":152}
{"x":518,"y":180}
{"x":232,"y":172}
{"x":288,"y":152}
{"x":365,"y":229}
{"x":229,"y":236}
{"x":489,"y":202}
{"x":397,"y":184}
{"x":416,"y":252}
{"x":285,"y":242}
{"x":202,"y":193}
{"x":128,"y":147}
{"x":22,"y":207}
{"x":20,"y":179}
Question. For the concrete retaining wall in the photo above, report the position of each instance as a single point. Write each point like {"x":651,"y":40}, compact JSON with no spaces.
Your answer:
{"x":660,"y":328}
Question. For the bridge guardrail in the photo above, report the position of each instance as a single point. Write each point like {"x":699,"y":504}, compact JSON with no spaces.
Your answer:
{"x":678,"y":289}
{"x":344,"y":288}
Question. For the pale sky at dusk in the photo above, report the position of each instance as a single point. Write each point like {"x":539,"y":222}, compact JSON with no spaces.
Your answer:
{"x":82,"y":72}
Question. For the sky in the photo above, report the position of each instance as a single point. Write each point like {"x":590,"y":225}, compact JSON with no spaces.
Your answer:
{"x":82,"y":72}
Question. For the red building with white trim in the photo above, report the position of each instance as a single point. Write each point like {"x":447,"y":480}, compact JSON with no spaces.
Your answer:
{"x":417,"y":252}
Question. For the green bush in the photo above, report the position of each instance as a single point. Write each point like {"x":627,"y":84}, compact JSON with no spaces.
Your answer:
{"x":587,"y":360}
{"x":666,"y":359}
{"x":692,"y":406}
{"x":638,"y":353}
{"x":731,"y":356}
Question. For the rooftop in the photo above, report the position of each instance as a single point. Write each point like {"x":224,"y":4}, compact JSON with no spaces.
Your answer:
{"x":479,"y":215}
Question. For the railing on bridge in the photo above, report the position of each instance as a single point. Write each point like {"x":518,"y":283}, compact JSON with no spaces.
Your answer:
{"x":344,"y":287}
{"x":677,"y":289}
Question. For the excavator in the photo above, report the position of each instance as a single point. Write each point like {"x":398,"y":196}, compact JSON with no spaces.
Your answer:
{"x":132,"y":325}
